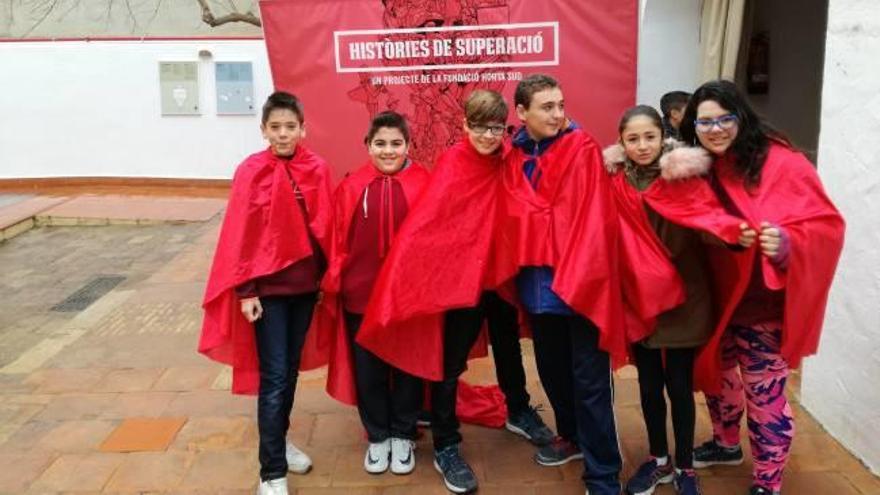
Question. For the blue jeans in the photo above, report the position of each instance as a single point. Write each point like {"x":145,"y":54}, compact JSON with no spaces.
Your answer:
{"x":576,"y":374}
{"x":280,"y":335}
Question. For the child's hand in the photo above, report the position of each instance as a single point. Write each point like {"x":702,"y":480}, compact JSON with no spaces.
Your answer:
{"x":251,"y":309}
{"x":747,"y":235}
{"x":770,"y":240}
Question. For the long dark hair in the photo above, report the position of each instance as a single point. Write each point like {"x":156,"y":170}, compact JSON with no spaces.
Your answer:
{"x":753,"y":137}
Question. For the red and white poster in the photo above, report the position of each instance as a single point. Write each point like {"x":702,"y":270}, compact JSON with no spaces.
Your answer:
{"x":350,"y":59}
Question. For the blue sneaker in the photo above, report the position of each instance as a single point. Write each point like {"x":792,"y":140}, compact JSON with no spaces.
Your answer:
{"x":457,"y":475}
{"x":648,"y":476}
{"x":686,"y":482}
{"x":529,"y":425}
{"x":558,"y":452}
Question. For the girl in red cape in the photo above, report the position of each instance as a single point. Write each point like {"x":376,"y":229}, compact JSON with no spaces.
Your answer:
{"x":370,"y":204}
{"x":264,"y":281}
{"x":773,"y":290}
{"x":665,"y":355}
{"x":436,"y":275}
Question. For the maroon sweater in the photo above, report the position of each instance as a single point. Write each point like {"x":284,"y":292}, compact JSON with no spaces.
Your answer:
{"x":380,"y":211}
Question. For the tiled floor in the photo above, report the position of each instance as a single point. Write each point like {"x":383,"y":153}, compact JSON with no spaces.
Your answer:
{"x":68,"y":381}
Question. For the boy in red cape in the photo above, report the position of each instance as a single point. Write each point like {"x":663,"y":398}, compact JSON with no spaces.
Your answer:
{"x":370,"y":204}
{"x":558,"y":239}
{"x":264,"y":281}
{"x":434,"y":291}
{"x":775,"y":288}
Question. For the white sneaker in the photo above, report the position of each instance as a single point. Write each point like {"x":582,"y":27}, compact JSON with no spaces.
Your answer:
{"x":278,"y":486}
{"x":297,"y":461}
{"x":403,"y":457}
{"x":376,"y":458}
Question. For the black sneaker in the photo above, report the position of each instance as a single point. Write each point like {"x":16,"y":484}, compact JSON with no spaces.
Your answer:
{"x":558,"y":452}
{"x":711,"y":454}
{"x":648,"y":476}
{"x":529,"y":425}
{"x":760,"y":490}
{"x":457,"y":475}
{"x":687,"y":483}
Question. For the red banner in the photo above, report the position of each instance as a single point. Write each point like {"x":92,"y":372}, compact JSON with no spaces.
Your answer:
{"x":350,"y":59}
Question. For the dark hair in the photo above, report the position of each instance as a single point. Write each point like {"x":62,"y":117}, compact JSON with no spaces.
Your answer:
{"x":753,"y":137}
{"x":388,"y":119}
{"x":281,"y":100}
{"x":673,"y":100}
{"x":484,"y":106}
{"x":640,"y":111}
{"x":530,"y":85}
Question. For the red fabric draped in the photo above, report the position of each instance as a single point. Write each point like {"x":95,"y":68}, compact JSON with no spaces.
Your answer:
{"x":438,"y":262}
{"x":263,"y":231}
{"x":340,"y":374}
{"x":791,"y":196}
{"x":570,"y":223}
{"x":651,"y":284}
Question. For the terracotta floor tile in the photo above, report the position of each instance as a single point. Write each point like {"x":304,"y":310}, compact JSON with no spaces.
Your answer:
{"x":140,"y":404}
{"x":78,"y":472}
{"x":58,"y":380}
{"x":349,"y":470}
{"x":150,"y":471}
{"x":334,"y":430}
{"x":513,"y":463}
{"x":138,"y":207}
{"x":76,"y":436}
{"x":339,"y":490}
{"x":211,"y":403}
{"x":828,"y":482}
{"x":227,"y":469}
{"x":76,"y":406}
{"x":217,"y":433}
{"x":323,"y":468}
{"x":820,"y":452}
{"x":128,"y":380}
{"x":19,"y":470}
{"x":143,"y":434}
{"x":864,"y":481}
{"x":11,"y":214}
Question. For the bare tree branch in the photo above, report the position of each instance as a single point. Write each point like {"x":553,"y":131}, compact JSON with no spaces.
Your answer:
{"x":49,"y":9}
{"x":209,"y":18}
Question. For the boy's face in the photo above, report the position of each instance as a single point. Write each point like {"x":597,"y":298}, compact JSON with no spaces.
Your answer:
{"x":675,"y":116}
{"x":388,"y":149}
{"x":485,"y":138}
{"x":283,"y":130}
{"x":545,"y":116}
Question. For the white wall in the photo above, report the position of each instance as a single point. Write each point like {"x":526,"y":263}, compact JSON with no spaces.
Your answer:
{"x":669,"y":49}
{"x":92,"y":109}
{"x":841,"y":386}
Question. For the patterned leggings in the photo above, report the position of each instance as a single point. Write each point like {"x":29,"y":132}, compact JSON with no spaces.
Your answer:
{"x":756,"y":351}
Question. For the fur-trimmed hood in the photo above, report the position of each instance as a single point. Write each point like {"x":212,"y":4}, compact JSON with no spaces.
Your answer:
{"x":677,"y":161}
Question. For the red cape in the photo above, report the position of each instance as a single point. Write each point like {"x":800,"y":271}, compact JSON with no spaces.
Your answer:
{"x":340,"y":374}
{"x":438,"y":262}
{"x":570,"y":224}
{"x":791,"y":196}
{"x":651,"y":285}
{"x":263,"y":231}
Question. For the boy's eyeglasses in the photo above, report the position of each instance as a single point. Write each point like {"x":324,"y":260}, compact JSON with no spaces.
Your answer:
{"x":479,"y":129}
{"x":724,"y":123}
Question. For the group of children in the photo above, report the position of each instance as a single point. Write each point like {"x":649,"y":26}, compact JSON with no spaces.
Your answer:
{"x":706,"y":264}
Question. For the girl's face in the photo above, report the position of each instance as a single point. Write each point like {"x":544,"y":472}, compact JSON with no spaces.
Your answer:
{"x":388,"y":150}
{"x":642,"y":140}
{"x":716,"y":127}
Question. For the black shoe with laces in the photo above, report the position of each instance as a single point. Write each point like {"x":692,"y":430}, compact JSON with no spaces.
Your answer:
{"x":558,"y":452}
{"x":711,"y":453}
{"x":529,"y":425}
{"x":760,"y":490}
{"x":457,"y":475}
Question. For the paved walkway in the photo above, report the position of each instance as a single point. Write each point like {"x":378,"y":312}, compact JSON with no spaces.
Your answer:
{"x":77,"y":386}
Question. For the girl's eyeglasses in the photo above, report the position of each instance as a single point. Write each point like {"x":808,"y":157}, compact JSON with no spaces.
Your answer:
{"x":724,"y":123}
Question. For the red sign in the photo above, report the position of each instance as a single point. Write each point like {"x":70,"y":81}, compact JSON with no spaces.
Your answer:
{"x":350,"y":59}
